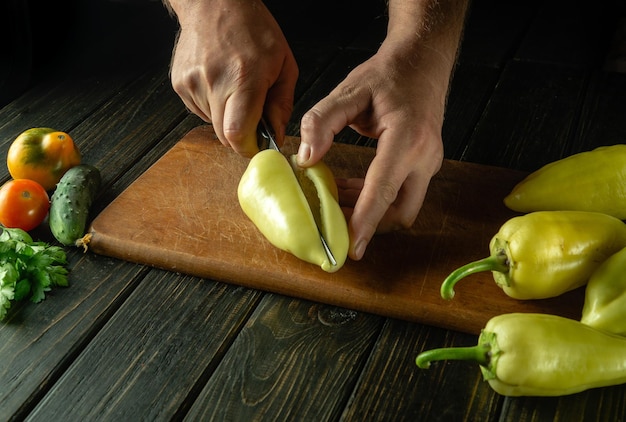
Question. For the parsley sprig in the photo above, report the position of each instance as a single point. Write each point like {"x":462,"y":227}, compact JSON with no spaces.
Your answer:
{"x":28,"y":269}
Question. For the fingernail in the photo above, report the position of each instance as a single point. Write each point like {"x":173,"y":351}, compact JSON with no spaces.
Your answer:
{"x":304,"y":153}
{"x":359,"y":249}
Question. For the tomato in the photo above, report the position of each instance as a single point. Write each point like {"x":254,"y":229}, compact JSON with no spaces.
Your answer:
{"x":24,"y":204}
{"x":42,"y":155}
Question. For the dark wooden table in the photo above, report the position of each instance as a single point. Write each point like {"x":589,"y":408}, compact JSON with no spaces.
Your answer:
{"x":536,"y":81}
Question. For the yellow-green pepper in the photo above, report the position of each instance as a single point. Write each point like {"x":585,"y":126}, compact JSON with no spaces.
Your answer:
{"x":605,"y":296}
{"x":541,"y":355}
{"x":546,"y":253}
{"x":285,"y":202}
{"x":588,"y":181}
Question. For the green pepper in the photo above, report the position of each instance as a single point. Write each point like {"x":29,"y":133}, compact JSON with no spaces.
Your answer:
{"x":288,"y":204}
{"x":587,"y":181}
{"x":546,"y":253}
{"x":541,"y":355}
{"x":605,"y":296}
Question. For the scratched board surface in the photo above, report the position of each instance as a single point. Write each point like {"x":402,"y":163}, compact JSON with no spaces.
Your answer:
{"x":182,"y":215}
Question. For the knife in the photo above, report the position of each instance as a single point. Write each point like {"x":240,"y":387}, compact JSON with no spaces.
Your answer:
{"x":267,"y":140}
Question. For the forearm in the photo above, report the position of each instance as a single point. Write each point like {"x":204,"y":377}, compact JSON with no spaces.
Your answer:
{"x":424,"y":35}
{"x":430,"y":28}
{"x":178,"y":6}
{"x":185,"y":10}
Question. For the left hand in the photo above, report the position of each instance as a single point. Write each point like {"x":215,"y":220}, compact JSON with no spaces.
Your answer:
{"x":391,"y":98}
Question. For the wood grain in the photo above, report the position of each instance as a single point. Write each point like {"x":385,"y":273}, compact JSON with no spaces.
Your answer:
{"x":293,"y":360}
{"x":422,"y":396}
{"x":38,"y":342}
{"x":155,"y":350}
{"x":183,"y":215}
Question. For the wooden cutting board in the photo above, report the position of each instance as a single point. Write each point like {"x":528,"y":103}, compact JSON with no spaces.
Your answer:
{"x":183,"y":215}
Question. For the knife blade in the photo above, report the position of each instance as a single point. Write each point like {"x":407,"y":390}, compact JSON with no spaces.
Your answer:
{"x":268,"y":140}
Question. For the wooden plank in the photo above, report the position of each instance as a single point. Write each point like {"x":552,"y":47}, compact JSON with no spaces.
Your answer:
{"x":392,"y":387}
{"x":39,"y":341}
{"x":59,"y":328}
{"x":294,"y":360}
{"x":470,"y":91}
{"x":58,"y":104}
{"x":530,"y":118}
{"x":570,"y":33}
{"x":602,"y":116}
{"x":151,"y":355}
{"x":604,"y":404}
{"x":128,"y":125}
{"x":494,"y":30}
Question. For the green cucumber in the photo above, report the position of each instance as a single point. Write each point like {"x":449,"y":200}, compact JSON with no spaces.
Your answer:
{"x":70,"y":203}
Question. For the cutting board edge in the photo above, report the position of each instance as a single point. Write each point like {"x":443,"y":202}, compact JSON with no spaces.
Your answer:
{"x":457,"y":316}
{"x":465,"y":320}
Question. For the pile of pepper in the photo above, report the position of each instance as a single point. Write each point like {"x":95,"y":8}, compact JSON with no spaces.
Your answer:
{"x":566,"y":241}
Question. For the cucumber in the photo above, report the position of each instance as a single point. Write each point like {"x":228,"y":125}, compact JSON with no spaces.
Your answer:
{"x":71,"y":201}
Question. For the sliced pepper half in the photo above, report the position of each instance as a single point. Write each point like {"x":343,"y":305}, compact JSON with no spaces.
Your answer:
{"x":292,"y":205}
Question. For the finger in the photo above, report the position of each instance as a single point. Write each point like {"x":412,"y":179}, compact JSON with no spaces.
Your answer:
{"x":349,"y":191}
{"x":242,"y":112}
{"x":186,"y":86}
{"x":424,"y":161}
{"x":193,"y":108}
{"x":199,"y":104}
{"x":349,"y":183}
{"x":394,"y":190}
{"x":403,"y":212}
{"x":327,"y":118}
{"x":217,"y":118}
{"x":280,"y":97}
{"x":385,"y":176}
{"x":379,"y":191}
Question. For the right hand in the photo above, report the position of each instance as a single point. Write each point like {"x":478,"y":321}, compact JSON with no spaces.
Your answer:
{"x":231,"y":64}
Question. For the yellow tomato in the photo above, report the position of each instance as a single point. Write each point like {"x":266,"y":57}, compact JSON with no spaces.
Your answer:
{"x":42,"y":155}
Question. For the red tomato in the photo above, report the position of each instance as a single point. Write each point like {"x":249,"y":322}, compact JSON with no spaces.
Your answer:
{"x":23,"y":204}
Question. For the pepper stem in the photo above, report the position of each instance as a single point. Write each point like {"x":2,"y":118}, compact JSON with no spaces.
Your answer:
{"x":497,"y":262}
{"x":479,"y":354}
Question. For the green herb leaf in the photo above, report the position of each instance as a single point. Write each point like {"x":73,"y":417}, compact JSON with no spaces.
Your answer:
{"x":22,"y":289}
{"x":28,"y":268}
{"x":8,"y":278}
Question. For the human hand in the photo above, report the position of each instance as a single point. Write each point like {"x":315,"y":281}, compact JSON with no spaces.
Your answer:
{"x":401,"y":104}
{"x":230,"y":65}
